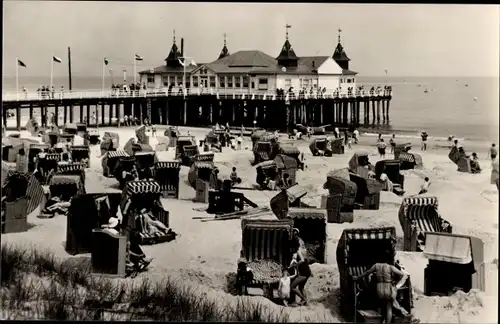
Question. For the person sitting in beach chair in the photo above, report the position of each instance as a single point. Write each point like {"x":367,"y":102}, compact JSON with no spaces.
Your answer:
{"x":234,"y":177}
{"x":474,"y":163}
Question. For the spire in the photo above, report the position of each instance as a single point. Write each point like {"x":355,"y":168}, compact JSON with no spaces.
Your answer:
{"x":174,"y":37}
{"x":174,"y":55}
{"x":339,"y":55}
{"x":287,"y":56}
{"x":224,"y":52}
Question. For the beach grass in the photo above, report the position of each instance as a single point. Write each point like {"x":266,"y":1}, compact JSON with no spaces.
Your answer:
{"x":37,"y":285}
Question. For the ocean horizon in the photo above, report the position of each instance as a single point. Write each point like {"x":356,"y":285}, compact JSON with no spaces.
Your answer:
{"x":448,"y":108}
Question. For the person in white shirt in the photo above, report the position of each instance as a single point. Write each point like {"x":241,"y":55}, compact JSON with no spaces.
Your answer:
{"x":284,"y":286}
{"x":381,"y":148}
{"x":355,"y":134}
{"x":239,"y":140}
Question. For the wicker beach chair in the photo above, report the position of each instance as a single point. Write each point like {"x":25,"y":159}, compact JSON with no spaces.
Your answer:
{"x":337,"y":184}
{"x":265,"y":149}
{"x":293,"y":152}
{"x":75,"y":168}
{"x":417,"y":216}
{"x":110,"y":142}
{"x":267,"y":248}
{"x":15,"y":203}
{"x":358,"y":249}
{"x":337,"y":145}
{"x":401,"y":148}
{"x":109,"y":161}
{"x":79,"y":153}
{"x":167,"y":176}
{"x":321,"y":146}
{"x":392,"y":169}
{"x":92,"y":137}
{"x":108,"y":253}
{"x":460,"y":255}
{"x":124,"y":163}
{"x":144,"y":194}
{"x":66,"y":186}
{"x":368,"y":193}
{"x":359,"y":162}
{"x":202,"y":170}
{"x":70,"y":128}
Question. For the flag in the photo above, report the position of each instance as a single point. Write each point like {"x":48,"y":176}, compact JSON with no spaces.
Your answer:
{"x":265,"y":96}
{"x":138,"y":58}
{"x":253,"y":96}
{"x":193,"y":63}
{"x":288,"y":26}
{"x":182,"y":63}
{"x":106,"y":61}
{"x":385,"y":72}
{"x":20,"y":63}
{"x":56,"y":59}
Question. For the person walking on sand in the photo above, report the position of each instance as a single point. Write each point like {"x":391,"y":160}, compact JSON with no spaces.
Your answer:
{"x":381,"y":148}
{"x":424,"y":141}
{"x":379,"y":137}
{"x":425,"y":186}
{"x":493,"y":152}
{"x":355,"y":135}
{"x":299,"y":283}
{"x":392,"y":142}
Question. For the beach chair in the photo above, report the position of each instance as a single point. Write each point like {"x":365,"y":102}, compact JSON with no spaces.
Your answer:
{"x":70,"y":128}
{"x":358,"y":249}
{"x":337,"y":145}
{"x":401,"y":148}
{"x":81,"y":129}
{"x":173,"y":134}
{"x":392,"y":169}
{"x":360,"y":162}
{"x":65,"y":138}
{"x":417,"y":216}
{"x":205,"y":171}
{"x":110,"y":142}
{"x":460,"y":255}
{"x":108,"y":253}
{"x":167,"y":175}
{"x":74,"y":168}
{"x":140,"y":133}
{"x":33,"y":151}
{"x":293,"y":152}
{"x":256,"y":135}
{"x":266,"y":246}
{"x":48,"y":166}
{"x":15,"y":203}
{"x":320,"y":146}
{"x":464,"y":165}
{"x":368,"y":193}
{"x":109,"y":161}
{"x":86,"y":213}
{"x":10,"y":148}
{"x":144,"y":194}
{"x":265,"y":149}
{"x":66,"y":186}
{"x":124,"y":163}
{"x":33,"y":127}
{"x":163,"y":143}
{"x":337,"y":184}
{"x":92,"y":137}
{"x":286,"y":198}
{"x":79,"y":153}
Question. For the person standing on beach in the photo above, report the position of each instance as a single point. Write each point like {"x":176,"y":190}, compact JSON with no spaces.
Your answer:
{"x":392,"y":142}
{"x":424,"y":141}
{"x":425,"y":186}
{"x":379,"y":137}
{"x":355,"y":135}
{"x":493,"y":152}
{"x":381,"y":148}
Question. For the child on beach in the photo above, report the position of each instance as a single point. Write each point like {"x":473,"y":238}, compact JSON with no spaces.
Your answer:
{"x":153,"y":130}
{"x":381,"y":148}
{"x":425,"y":186}
{"x":284,"y":286}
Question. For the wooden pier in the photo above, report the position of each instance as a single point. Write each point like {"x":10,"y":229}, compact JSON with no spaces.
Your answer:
{"x":269,"y":110}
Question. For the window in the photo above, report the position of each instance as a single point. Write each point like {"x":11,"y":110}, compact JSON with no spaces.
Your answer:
{"x":237,"y":82}
{"x":229,"y":81}
{"x":301,"y":83}
{"x":188,"y":81}
{"x":349,"y":80}
{"x":245,"y":82}
{"x":151,"y":78}
{"x":212,"y":82}
{"x":288,"y":84}
{"x":263,"y":84}
{"x":165,"y":80}
{"x":305,"y":83}
{"x":203,"y":71}
{"x":195,"y":81}
{"x":222,"y":81}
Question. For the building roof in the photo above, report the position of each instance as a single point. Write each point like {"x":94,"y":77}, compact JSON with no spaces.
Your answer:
{"x":339,"y":53}
{"x":287,"y":53}
{"x":252,"y":62}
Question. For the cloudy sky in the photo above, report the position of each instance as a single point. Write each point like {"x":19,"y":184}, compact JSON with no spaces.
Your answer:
{"x":407,"y":40}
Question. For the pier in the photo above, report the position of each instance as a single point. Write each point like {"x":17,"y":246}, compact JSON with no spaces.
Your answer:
{"x":191,"y":108}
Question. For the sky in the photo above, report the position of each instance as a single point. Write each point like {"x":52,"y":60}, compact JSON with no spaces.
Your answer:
{"x":407,"y":40}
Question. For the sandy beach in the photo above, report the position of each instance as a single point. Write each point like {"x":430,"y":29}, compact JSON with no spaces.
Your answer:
{"x":205,"y":253}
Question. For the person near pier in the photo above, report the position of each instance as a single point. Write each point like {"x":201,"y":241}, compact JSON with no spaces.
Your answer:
{"x":285,"y":283}
{"x":392,"y":142}
{"x":381,"y":148}
{"x":355,"y":135}
{"x":53,"y":90}
{"x":336,"y":132}
{"x":62,"y":92}
{"x":125,"y":120}
{"x":239,"y":140}
{"x":244,"y":275}
{"x":493,"y":152}
{"x":424,"y":136}
{"x":425,"y":186}
{"x":153,"y":130}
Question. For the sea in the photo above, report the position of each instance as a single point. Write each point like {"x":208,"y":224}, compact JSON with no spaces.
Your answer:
{"x":465,"y":107}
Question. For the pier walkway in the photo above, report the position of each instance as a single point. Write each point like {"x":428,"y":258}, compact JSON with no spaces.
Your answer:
{"x":192,"y":107}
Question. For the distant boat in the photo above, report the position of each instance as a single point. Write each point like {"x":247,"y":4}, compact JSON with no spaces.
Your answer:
{"x":426,"y":91}
{"x":419,"y":85}
{"x":475,"y":98}
{"x":466,"y":85}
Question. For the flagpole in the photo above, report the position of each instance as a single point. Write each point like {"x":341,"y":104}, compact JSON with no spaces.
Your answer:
{"x":17,"y":77}
{"x":103,"y":76}
{"x":51,"y":71}
{"x":135,"y":68}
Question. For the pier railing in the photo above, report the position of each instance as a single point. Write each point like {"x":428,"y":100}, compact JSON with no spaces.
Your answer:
{"x":176,"y":92}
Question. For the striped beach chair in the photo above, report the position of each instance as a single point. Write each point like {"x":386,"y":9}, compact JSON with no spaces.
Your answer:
{"x":167,"y":175}
{"x":418,"y":215}
{"x":410,"y":161}
{"x":266,"y":240}
{"x":137,"y":195}
{"x":75,"y":168}
{"x":109,"y":161}
{"x":358,"y":250}
{"x":80,"y":152}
